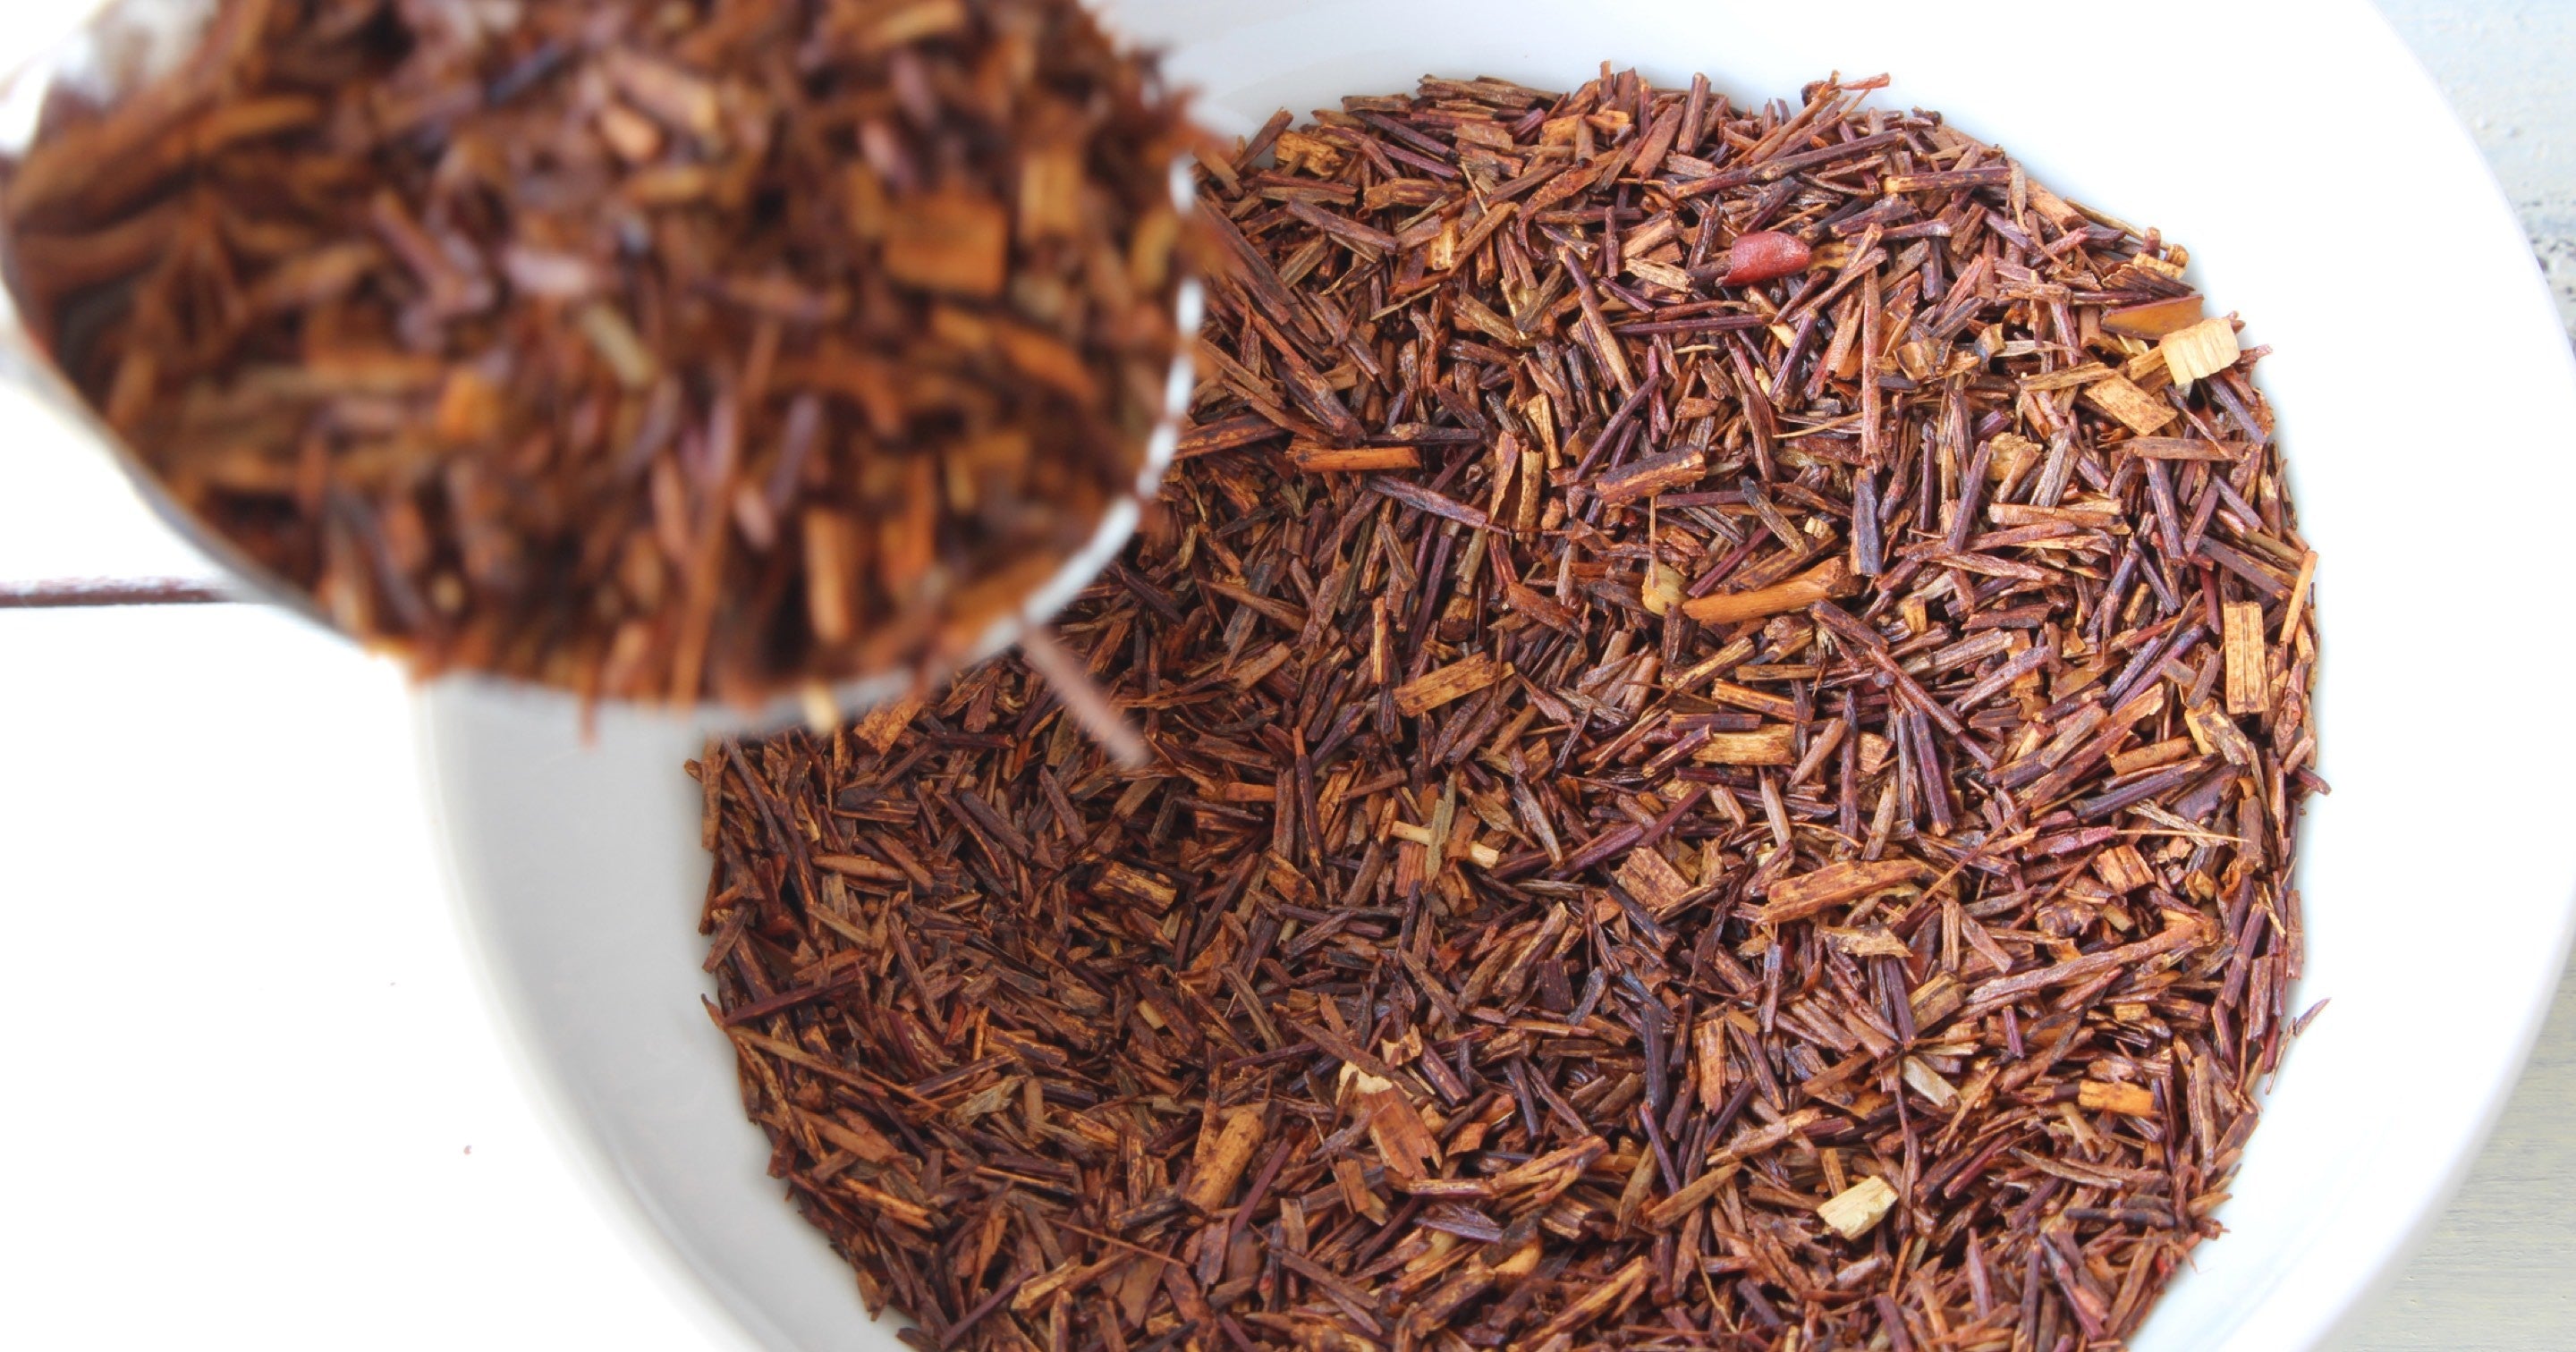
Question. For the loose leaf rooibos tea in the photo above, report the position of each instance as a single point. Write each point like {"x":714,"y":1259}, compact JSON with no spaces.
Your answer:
{"x":651,"y":350}
{"x":1730,"y":701}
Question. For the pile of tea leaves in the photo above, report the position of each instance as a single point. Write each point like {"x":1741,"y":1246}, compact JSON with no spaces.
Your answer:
{"x":1729,"y":697}
{"x":654,"y":351}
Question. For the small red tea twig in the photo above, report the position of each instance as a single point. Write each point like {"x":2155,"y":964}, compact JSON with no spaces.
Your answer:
{"x":1763,"y":255}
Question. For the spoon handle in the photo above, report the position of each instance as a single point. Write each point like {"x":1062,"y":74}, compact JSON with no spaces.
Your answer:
{"x":56,"y":594}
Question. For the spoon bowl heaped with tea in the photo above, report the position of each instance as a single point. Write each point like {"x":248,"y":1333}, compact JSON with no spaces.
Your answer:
{"x":2437,"y":938}
{"x":602,"y":366}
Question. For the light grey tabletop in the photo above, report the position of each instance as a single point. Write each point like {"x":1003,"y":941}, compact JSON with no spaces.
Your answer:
{"x":2493,"y":1274}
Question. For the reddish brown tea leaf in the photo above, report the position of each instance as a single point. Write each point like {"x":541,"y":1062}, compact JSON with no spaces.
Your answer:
{"x":1456,"y":681}
{"x":1324,"y":460}
{"x":1828,"y":579}
{"x":2152,"y":319}
{"x":1802,"y":896}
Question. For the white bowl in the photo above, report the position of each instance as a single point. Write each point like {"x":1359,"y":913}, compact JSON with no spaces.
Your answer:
{"x":2424,"y":392}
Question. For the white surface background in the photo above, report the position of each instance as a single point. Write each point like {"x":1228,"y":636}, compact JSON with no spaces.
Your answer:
{"x":2496,"y":1271}
{"x":207,"y":1135}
